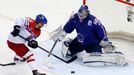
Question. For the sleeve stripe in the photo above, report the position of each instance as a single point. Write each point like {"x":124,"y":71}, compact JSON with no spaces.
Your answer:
{"x":105,"y":34}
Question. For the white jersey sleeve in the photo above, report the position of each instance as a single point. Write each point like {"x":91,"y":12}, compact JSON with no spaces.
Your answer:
{"x":23,"y":23}
{"x":20,"y":21}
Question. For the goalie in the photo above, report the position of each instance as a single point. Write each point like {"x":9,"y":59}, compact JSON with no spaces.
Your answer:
{"x":91,"y":37}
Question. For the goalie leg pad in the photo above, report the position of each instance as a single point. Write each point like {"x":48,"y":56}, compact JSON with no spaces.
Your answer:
{"x":65,"y":46}
{"x":106,"y":59}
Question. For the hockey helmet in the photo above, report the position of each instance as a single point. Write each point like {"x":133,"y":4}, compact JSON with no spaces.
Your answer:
{"x":83,"y":11}
{"x":41,"y":19}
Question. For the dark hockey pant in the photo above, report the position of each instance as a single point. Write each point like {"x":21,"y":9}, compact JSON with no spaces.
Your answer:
{"x":76,"y":47}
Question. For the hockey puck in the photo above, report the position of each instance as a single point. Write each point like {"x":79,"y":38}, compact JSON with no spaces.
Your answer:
{"x":72,"y":72}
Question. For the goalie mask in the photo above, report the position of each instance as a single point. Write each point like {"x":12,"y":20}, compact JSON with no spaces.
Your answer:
{"x":83,"y":12}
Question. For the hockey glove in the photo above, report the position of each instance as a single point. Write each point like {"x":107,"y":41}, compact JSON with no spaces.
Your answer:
{"x":108,"y":47}
{"x":59,"y":33}
{"x":16,"y":30}
{"x":33,"y":44}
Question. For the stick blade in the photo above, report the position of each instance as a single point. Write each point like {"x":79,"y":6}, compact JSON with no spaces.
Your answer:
{"x":8,"y":64}
{"x":72,"y":59}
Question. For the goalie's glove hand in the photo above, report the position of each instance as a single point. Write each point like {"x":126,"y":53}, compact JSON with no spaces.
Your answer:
{"x":108,"y":46}
{"x":59,"y":34}
{"x":16,"y":30}
{"x":59,"y":37}
{"x":33,"y":44}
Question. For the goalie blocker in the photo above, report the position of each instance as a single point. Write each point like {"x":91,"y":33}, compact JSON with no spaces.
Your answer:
{"x":104,"y":59}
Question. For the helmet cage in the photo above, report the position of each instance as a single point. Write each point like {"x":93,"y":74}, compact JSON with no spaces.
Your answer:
{"x":83,"y":12}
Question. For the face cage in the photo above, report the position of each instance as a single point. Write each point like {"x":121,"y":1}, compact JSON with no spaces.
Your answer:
{"x":83,"y":14}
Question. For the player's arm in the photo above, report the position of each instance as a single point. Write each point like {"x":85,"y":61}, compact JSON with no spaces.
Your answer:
{"x":101,"y":33}
{"x":100,"y":30}
{"x":17,"y":27}
{"x":60,"y":33}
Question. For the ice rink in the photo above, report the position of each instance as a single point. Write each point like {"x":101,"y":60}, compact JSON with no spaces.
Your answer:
{"x":111,"y":13}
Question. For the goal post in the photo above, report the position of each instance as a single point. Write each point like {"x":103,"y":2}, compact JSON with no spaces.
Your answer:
{"x":125,"y":2}
{"x":84,"y":2}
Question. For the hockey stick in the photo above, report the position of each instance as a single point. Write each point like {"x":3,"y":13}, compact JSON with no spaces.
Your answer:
{"x":53,"y":47}
{"x":8,"y":64}
{"x":66,"y":61}
{"x":48,"y":57}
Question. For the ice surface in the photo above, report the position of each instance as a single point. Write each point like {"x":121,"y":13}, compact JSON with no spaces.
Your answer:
{"x":62,"y":68}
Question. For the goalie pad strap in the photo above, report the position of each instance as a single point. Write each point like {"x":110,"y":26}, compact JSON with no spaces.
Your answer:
{"x":93,"y":59}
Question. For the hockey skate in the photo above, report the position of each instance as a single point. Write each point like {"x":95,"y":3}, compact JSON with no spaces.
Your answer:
{"x":35,"y":72}
{"x":19,"y":59}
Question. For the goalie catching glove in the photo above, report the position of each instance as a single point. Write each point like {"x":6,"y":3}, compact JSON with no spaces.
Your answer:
{"x":107,"y":46}
{"x":59,"y":33}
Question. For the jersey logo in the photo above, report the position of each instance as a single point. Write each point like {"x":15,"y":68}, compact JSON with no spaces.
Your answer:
{"x":89,"y":23}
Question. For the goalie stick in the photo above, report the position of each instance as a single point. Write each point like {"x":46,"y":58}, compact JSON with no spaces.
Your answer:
{"x":53,"y":47}
{"x":66,"y":61}
{"x":48,"y":57}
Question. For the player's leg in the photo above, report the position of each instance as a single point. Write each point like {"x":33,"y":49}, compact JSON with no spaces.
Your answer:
{"x":71,"y":47}
{"x":93,"y":48}
{"x":22,"y":51}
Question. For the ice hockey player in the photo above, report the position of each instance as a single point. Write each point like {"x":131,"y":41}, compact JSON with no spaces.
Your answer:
{"x":130,"y":11}
{"x":30,"y":29}
{"x":91,"y":37}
